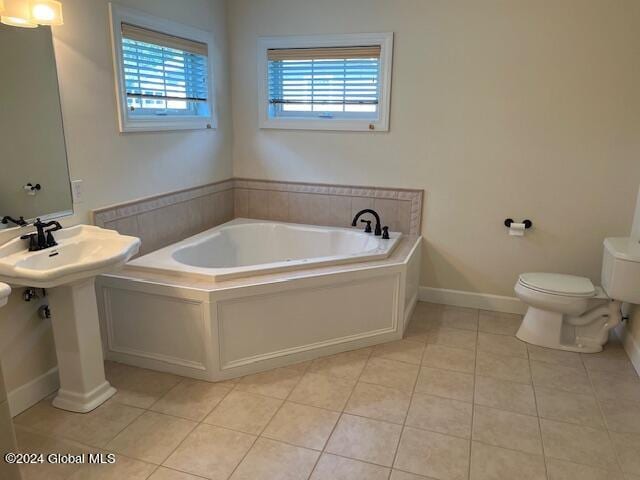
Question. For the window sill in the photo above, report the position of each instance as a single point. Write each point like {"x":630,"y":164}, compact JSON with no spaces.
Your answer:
{"x":324,"y":124}
{"x":154,"y":125}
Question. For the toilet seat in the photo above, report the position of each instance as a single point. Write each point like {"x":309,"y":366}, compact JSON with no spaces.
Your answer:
{"x":558,"y":284}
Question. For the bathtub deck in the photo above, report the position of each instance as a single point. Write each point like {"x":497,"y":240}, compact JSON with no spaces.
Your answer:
{"x":398,"y":256}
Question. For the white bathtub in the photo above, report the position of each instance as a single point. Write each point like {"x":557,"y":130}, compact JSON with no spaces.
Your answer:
{"x":243,"y":248}
{"x":176,"y":310}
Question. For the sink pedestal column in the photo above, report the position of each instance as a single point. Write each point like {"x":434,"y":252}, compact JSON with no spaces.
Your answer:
{"x":76,"y":332}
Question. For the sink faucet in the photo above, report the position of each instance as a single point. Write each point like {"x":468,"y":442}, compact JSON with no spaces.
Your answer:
{"x":42,"y":238}
{"x":378,"y":230}
{"x":20,"y":221}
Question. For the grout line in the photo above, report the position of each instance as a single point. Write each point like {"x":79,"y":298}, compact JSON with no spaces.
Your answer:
{"x":604,"y":420}
{"x":326,"y":443}
{"x":406,"y":415}
{"x":535,"y":401}
{"x":473,"y":402}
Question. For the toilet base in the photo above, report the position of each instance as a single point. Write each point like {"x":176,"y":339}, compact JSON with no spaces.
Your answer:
{"x":549,"y":329}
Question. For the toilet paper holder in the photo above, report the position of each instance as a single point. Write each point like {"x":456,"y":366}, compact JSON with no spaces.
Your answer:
{"x":527,"y":223}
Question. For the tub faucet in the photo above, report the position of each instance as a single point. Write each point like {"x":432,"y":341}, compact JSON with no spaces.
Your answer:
{"x":378,"y":230}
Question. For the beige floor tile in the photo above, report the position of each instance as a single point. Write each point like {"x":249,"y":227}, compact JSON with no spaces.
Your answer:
{"x":163,"y":473}
{"x":433,"y":455}
{"x":449,"y":358}
{"x":610,"y":386}
{"x":616,"y":361}
{"x":577,"y":443}
{"x":381,"y":403}
{"x":400,"y":475}
{"x":346,"y":365}
{"x":322,"y":391}
{"x":210,"y":452}
{"x":568,"y":407}
{"x":138,"y":387}
{"x":427,"y":312}
{"x":442,"y":415}
{"x":507,"y":429}
{"x":416,"y":333}
{"x":494,"y":463}
{"x":459,"y":317}
{"x":561,"y":470}
{"x":246,"y":412}
{"x":499,"y":323}
{"x":502,"y":367}
{"x":95,"y":428}
{"x":31,"y":442}
{"x":501,"y":345}
{"x":401,"y":351}
{"x":627,"y":446}
{"x":445,"y":383}
{"x":271,"y":460}
{"x":365,"y":439}
{"x":573,"y":380}
{"x":514,"y":397}
{"x":622,"y":415}
{"x":302,"y":425}
{"x":556,"y":357}
{"x":276,"y":383}
{"x":389,"y":373}
{"x":453,"y":337}
{"x":151,"y":437}
{"x":191,"y":399}
{"x":123,"y":468}
{"x":332,"y":467}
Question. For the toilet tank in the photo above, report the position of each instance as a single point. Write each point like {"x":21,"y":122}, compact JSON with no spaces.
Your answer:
{"x":621,"y":269}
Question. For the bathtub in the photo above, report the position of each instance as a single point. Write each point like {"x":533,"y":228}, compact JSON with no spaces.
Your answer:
{"x":243,"y":248}
{"x":249,"y":295}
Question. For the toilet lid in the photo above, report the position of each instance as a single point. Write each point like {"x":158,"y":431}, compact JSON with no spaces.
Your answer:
{"x":559,"y":284}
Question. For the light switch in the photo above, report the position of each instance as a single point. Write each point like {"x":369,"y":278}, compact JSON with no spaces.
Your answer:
{"x":76,"y":191}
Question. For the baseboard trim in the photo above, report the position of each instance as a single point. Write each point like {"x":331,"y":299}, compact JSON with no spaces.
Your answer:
{"x":32,"y":392}
{"x":483,"y":301}
{"x":630,"y":345}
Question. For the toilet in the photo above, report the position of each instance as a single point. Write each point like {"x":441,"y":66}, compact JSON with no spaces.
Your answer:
{"x":568,"y":312}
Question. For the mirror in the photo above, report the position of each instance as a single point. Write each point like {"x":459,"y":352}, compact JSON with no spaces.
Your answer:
{"x":34,"y":175}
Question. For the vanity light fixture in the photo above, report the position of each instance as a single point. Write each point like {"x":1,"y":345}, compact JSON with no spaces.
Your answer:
{"x":30,"y":13}
{"x":46,"y":12}
{"x":17,"y":13}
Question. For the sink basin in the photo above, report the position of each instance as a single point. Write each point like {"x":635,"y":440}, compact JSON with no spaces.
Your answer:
{"x":4,"y":294}
{"x":82,"y":252}
{"x":68,"y":273}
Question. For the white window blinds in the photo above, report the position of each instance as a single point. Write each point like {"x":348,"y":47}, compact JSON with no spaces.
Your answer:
{"x":324,"y":81}
{"x":164,"y":74}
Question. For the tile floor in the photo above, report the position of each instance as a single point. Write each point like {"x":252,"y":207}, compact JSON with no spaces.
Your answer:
{"x":459,"y":398}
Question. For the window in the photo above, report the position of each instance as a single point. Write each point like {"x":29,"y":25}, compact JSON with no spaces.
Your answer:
{"x":336,"y":82}
{"x":162,"y":72}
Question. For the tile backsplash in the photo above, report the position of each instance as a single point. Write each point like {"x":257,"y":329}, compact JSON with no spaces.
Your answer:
{"x":333,"y":205}
{"x":165,"y":219}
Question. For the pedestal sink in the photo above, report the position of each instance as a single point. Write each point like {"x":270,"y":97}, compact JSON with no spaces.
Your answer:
{"x":5,"y":291}
{"x":68,"y":273}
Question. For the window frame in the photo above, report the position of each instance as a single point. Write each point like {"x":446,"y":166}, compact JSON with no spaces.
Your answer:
{"x":341,"y":122}
{"x":126,"y":123}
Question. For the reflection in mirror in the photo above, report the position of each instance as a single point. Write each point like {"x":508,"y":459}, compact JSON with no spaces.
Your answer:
{"x":34,"y":176}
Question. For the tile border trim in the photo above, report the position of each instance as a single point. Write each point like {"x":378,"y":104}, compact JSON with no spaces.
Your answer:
{"x":119,"y":211}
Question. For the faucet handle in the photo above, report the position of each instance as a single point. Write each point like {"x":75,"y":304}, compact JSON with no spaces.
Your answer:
{"x":33,"y":245}
{"x":367,"y":229}
{"x":385,"y":233}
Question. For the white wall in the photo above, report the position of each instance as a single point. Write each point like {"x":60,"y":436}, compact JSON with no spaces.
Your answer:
{"x":116,"y":167}
{"x":523,"y":109}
